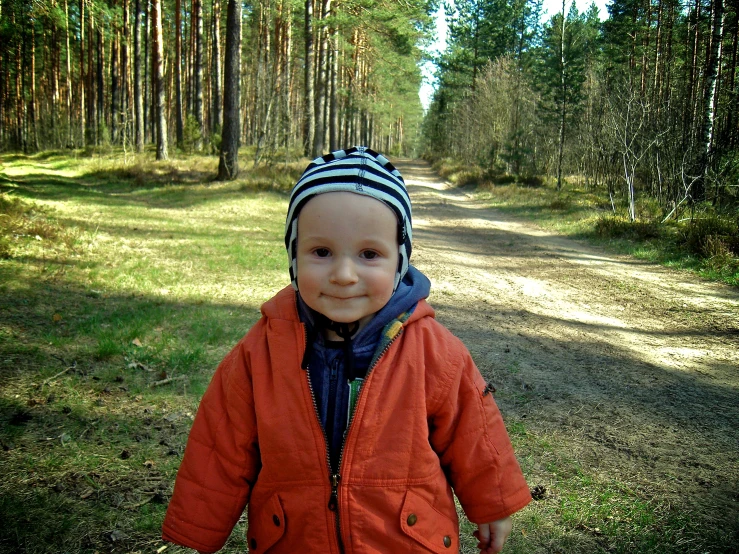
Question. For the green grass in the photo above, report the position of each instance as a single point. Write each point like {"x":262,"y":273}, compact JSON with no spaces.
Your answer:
{"x":150,"y":271}
{"x":117,"y":273}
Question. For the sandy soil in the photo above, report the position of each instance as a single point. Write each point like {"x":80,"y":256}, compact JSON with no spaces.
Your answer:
{"x":631,"y":367}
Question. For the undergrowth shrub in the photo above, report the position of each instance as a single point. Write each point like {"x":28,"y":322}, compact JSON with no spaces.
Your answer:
{"x":192,"y":137}
{"x":623,"y":228}
{"x":280,"y":177}
{"x":21,"y":219}
{"x":711,"y":236}
{"x":560,"y":203}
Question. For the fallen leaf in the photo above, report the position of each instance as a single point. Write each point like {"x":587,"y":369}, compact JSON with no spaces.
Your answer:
{"x":57,"y":318}
{"x":136,"y":342}
{"x":150,"y":464}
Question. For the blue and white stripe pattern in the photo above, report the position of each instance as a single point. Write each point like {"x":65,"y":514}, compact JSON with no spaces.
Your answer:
{"x":361,"y":171}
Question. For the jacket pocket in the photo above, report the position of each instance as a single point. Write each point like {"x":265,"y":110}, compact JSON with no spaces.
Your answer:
{"x":426,"y":525}
{"x":266,"y":525}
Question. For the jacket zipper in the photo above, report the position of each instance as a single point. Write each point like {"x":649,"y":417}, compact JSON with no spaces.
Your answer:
{"x":335,"y":482}
{"x":335,"y":478}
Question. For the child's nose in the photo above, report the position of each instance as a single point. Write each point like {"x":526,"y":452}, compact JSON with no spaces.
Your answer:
{"x":344,"y":272}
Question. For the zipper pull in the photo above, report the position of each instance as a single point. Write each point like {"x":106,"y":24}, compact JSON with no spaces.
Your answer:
{"x":333,"y":502}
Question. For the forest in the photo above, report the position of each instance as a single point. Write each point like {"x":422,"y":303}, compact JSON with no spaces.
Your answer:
{"x":311,"y":75}
{"x":645,"y":101}
{"x":642,"y":104}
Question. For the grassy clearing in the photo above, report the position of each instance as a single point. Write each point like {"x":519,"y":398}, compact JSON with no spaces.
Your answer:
{"x":709,"y":245}
{"x":123,"y":283}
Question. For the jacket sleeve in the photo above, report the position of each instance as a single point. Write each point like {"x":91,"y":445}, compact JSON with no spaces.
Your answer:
{"x":468,"y":434}
{"x":221,"y":460}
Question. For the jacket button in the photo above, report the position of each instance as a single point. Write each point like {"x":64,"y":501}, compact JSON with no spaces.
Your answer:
{"x":412,"y":519}
{"x":276,"y":520}
{"x":253,"y":543}
{"x":447,"y":541}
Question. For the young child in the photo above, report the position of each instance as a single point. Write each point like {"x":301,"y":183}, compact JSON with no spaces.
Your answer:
{"x":347,"y":414}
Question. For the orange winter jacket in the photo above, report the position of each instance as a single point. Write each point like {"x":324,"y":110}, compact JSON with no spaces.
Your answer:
{"x":424,"y":421}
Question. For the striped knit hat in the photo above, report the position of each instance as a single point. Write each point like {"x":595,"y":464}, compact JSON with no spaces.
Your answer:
{"x":361,"y":171}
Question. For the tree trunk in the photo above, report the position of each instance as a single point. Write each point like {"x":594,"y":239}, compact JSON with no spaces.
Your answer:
{"x":83,"y":130}
{"x":92,"y":121}
{"x":32,"y":105}
{"x":157,"y":44}
{"x":100,"y":114}
{"x":148,"y":61}
{"x":309,"y":127}
{"x":198,"y":68}
{"x":19,"y":108}
{"x":228,"y":164}
{"x":216,"y":113}
{"x":179,"y":118}
{"x":733,"y":111}
{"x":319,"y":136}
{"x":114,"y":87}
{"x":334,"y":104}
{"x":563,"y":100}
{"x":138,"y":102}
{"x":709,"y":96}
{"x":125,"y":95}
{"x":68,"y":81}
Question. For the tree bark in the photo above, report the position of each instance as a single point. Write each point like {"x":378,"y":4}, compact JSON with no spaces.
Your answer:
{"x":179,"y":118}
{"x":319,"y":137}
{"x":32,"y":105}
{"x":709,"y":96}
{"x":216,"y":111}
{"x":158,"y":79}
{"x":334,"y":103}
{"x":114,"y":86}
{"x":68,"y":81}
{"x":83,"y":130}
{"x":228,"y":164}
{"x":138,"y":102}
{"x":563,"y":100}
{"x":309,"y":127}
{"x":91,"y":119}
{"x":198,"y":68}
{"x":100,"y":113}
{"x":125,"y":102}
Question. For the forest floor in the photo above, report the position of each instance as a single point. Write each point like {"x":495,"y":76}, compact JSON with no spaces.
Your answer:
{"x":618,"y":378}
{"x":123,"y":283}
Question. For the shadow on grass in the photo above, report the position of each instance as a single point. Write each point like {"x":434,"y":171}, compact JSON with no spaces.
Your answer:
{"x":124,"y":440}
{"x":89,"y":447}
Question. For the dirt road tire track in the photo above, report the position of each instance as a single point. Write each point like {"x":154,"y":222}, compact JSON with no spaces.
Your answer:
{"x":631,"y":368}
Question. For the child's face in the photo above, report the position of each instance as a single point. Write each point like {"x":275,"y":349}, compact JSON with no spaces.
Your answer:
{"x":347,"y":255}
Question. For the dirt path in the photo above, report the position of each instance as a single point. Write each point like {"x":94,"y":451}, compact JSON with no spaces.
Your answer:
{"x":631,"y":368}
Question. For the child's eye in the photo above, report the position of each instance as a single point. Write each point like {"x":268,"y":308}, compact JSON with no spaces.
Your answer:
{"x":370,"y":255}
{"x":322,"y":252}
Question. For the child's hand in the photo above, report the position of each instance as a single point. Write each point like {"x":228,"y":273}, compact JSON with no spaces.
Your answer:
{"x":492,"y":536}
